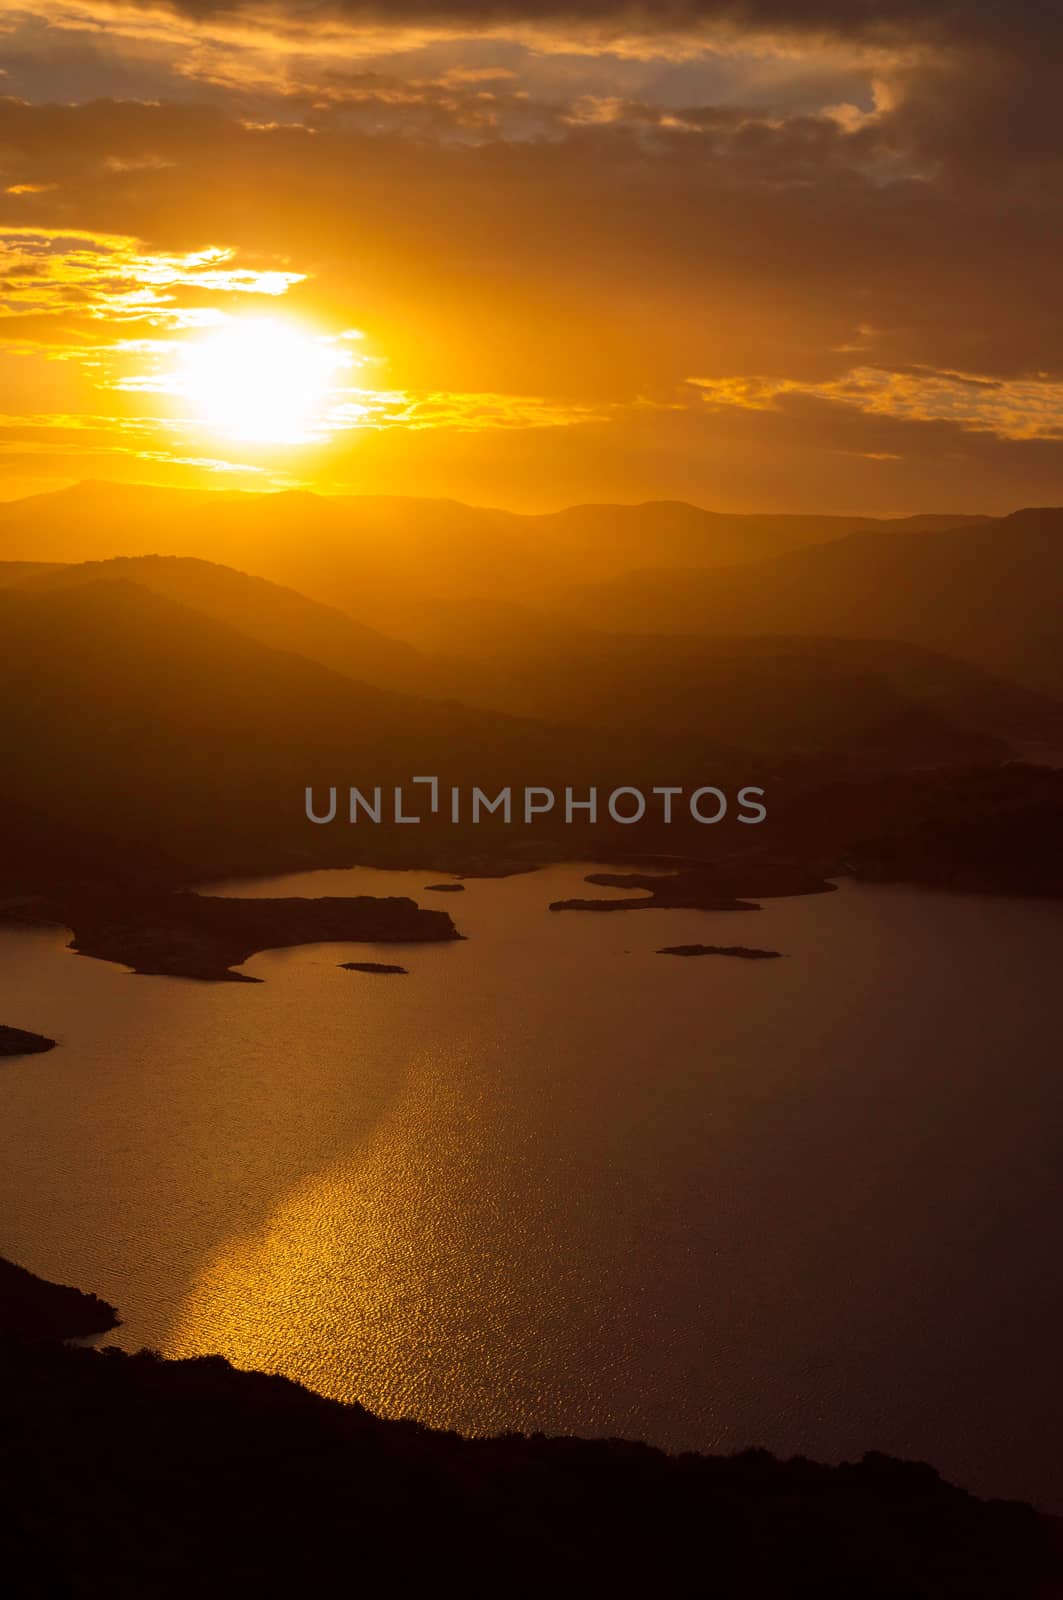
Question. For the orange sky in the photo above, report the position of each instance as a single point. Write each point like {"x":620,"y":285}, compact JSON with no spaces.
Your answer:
{"x":749,"y":254}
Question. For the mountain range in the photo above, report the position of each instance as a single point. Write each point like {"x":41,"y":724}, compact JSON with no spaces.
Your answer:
{"x":173,"y":693}
{"x":990,"y":594}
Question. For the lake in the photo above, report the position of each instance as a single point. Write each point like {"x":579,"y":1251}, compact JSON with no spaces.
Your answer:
{"x":553,"y":1180}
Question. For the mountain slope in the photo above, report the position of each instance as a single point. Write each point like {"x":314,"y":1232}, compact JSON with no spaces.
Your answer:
{"x":138,"y":720}
{"x":682,"y":535}
{"x":784,"y":698}
{"x":859,"y":701}
{"x":270,"y":613}
{"x":148,"y":745}
{"x":360,"y":552}
{"x":989,"y":594}
{"x":173,"y":1471}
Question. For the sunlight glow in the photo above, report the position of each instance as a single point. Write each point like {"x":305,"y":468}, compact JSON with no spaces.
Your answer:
{"x":261,"y":380}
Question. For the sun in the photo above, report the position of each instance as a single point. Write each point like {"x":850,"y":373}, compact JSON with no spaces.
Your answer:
{"x":261,"y":380}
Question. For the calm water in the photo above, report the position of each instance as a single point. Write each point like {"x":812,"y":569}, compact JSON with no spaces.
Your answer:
{"x":553,"y":1180}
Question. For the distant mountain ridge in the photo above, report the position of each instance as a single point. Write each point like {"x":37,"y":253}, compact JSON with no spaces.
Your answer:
{"x":516,"y":554}
{"x":148,"y":743}
{"x":988,"y":593}
{"x":270,"y":613}
{"x":857,"y":703}
{"x":428,"y":571}
{"x":177,"y":702}
{"x":140,"y":720}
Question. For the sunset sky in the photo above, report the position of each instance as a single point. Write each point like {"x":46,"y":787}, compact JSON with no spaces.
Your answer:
{"x":765,"y":256}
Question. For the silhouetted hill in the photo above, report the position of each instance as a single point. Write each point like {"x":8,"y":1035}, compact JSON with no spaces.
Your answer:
{"x":271,"y":613}
{"x":128,"y":1476}
{"x":426,"y":572}
{"x":990,"y":594}
{"x":147,"y":727}
{"x":278,"y":615}
{"x":152,"y":739}
{"x":859,"y":703}
{"x":13,"y":573}
{"x":360,"y":552}
{"x":145,"y":720}
{"x":1030,"y":721}
{"x":681,"y":535}
{"x":39,"y":850}
{"x":472,"y":582}
{"x":994,"y":832}
{"x":782,"y":697}
{"x":33,"y":1308}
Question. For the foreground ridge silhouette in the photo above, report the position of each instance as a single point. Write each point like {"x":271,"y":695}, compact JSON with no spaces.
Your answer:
{"x":132,"y":1475}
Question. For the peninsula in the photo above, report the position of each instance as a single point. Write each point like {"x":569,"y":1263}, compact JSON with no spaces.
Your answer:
{"x":708,"y":887}
{"x":187,"y":935}
{"x":18,"y":1042}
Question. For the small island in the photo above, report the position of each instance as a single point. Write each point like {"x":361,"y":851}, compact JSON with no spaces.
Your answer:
{"x":382,"y":967}
{"x":721,"y":886}
{"x":742,"y":951}
{"x":17,"y":1042}
{"x":445,"y":888}
{"x":678,"y":891}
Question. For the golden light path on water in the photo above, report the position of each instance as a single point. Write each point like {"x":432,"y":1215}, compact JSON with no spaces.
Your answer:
{"x":408,"y":1269}
{"x":551,"y":1179}
{"x":458,"y":1209}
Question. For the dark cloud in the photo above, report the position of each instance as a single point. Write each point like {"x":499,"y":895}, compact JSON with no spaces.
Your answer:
{"x":604,"y":259}
{"x":1021,"y":20}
